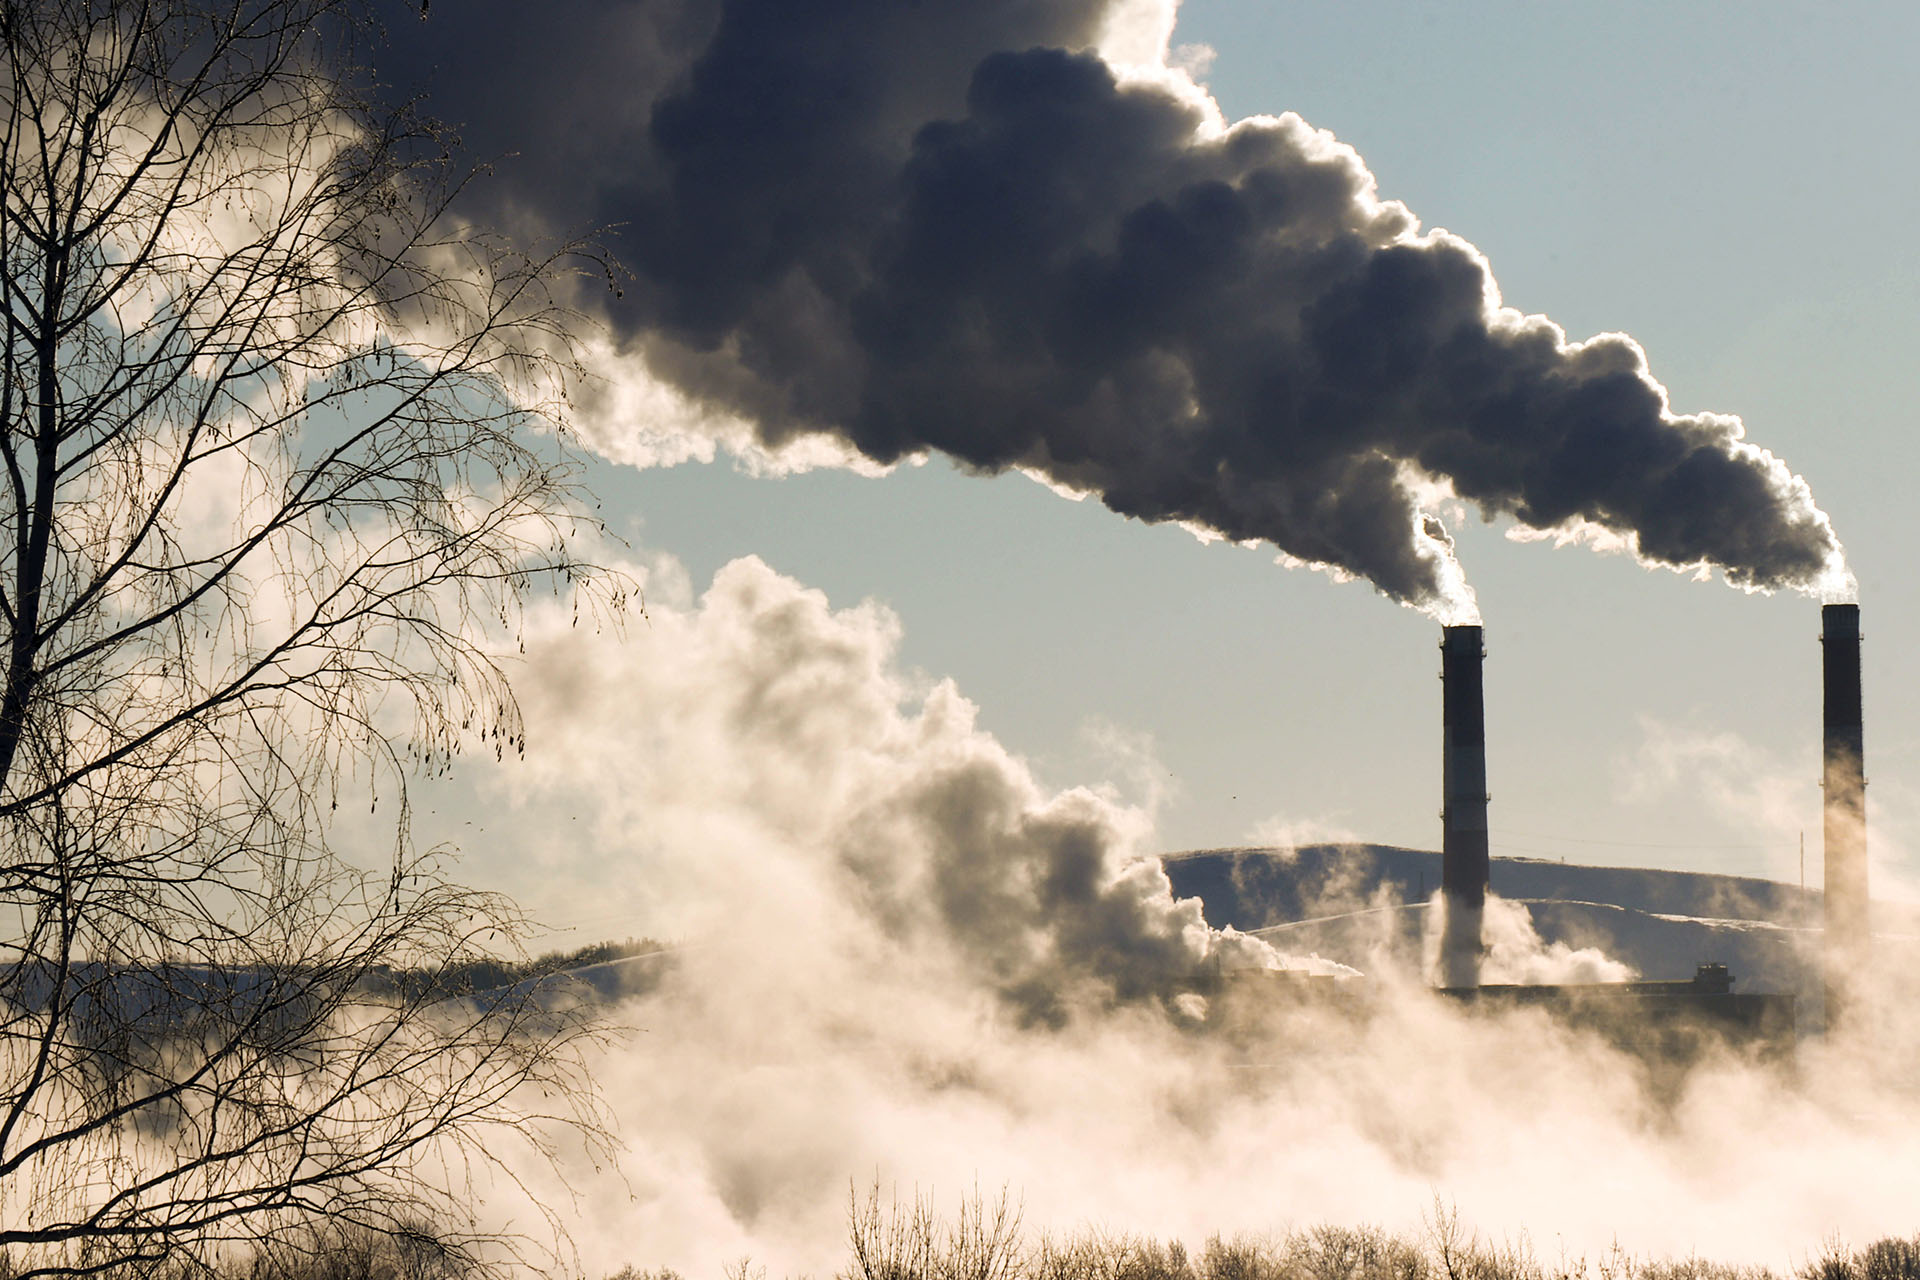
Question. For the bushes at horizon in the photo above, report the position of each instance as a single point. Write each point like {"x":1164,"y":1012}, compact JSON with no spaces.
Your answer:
{"x":986,"y":1242}
{"x":910,"y":1241}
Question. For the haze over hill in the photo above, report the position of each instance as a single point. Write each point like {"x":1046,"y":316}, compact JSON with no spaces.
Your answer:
{"x":1344,"y":901}
{"x":1341,"y":901}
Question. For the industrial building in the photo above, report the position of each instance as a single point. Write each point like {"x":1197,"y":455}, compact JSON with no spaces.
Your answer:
{"x":1668,"y":1016}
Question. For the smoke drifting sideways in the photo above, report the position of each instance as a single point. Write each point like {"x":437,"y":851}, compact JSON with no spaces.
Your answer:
{"x":898,"y":229}
{"x":905,"y":958}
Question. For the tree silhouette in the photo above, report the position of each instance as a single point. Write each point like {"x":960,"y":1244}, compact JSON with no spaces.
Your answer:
{"x":284,"y":455}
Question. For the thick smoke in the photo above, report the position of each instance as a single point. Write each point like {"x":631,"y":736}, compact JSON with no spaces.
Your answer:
{"x":955,"y":227}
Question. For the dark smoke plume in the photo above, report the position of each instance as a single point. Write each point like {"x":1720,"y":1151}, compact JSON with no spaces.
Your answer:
{"x":951,"y":226}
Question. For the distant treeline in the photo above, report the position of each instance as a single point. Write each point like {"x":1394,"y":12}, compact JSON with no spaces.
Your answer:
{"x":488,"y":973}
{"x":986,"y":1241}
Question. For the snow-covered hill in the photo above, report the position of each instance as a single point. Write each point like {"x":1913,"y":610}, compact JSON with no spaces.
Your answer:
{"x":1345,"y":902}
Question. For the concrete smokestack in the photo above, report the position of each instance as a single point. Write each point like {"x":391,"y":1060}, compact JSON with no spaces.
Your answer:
{"x":1849,"y":939}
{"x":1463,"y":849}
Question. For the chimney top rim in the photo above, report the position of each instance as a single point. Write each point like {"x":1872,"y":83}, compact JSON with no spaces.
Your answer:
{"x":1840,"y":621}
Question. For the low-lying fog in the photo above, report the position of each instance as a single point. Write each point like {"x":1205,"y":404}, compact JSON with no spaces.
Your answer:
{"x":906,"y":962}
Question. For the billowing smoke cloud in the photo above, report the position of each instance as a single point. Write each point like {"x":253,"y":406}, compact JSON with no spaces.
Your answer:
{"x":788,"y":721}
{"x":955,"y":227}
{"x":904,"y":958}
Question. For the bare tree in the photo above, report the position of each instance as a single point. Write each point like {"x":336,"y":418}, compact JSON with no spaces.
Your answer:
{"x":284,"y":454}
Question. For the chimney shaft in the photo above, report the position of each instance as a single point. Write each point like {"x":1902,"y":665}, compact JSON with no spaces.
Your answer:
{"x":1463,"y":865}
{"x":1843,"y":777}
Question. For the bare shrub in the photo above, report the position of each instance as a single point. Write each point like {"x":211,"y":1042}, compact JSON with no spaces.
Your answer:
{"x":1891,"y":1259}
{"x":1694,"y":1267}
{"x":910,"y":1241}
{"x":1240,"y":1258}
{"x":1352,"y":1253}
{"x":1156,"y":1260}
{"x":1091,"y":1255}
{"x":1835,"y":1261}
{"x":1459,"y":1253}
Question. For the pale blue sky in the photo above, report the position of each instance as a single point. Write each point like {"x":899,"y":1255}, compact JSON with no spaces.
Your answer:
{"x":1729,"y":183}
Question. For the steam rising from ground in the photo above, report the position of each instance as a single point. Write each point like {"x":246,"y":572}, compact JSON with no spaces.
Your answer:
{"x":905,"y":959}
{"x":957,"y":227}
{"x":784,"y":716}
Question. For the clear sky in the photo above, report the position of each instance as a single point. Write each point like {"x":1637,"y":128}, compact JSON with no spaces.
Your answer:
{"x":1728,"y":183}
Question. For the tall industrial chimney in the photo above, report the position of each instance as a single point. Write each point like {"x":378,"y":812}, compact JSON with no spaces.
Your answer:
{"x":1849,"y":939}
{"x":1463,"y":848}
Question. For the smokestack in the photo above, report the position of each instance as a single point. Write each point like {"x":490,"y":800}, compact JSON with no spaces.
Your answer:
{"x":1849,"y":939}
{"x":1463,"y":848}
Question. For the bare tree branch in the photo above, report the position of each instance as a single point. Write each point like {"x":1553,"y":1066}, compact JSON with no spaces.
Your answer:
{"x":285,"y":452}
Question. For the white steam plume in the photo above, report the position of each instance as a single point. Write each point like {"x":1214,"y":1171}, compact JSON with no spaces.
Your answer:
{"x":907,"y":960}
